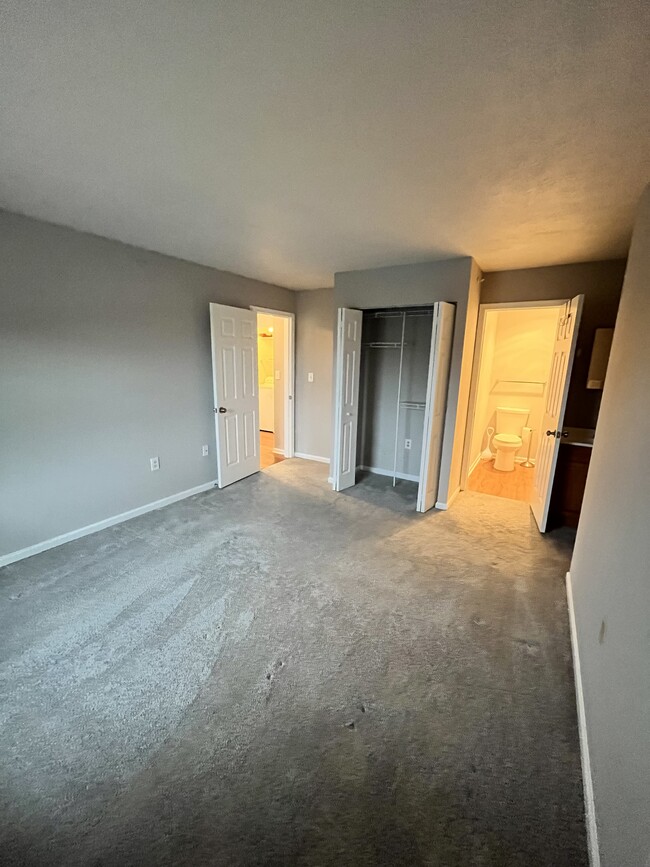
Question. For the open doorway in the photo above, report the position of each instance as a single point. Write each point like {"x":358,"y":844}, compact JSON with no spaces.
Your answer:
{"x":275,"y":382}
{"x":513,"y":369}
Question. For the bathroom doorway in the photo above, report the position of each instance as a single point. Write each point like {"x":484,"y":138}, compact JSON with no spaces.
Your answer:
{"x":510,"y":385}
{"x":275,"y":383}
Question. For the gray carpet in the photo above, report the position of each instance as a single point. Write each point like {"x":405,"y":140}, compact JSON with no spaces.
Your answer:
{"x":275,"y":674}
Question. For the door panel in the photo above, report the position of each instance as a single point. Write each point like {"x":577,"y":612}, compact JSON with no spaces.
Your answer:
{"x":436,"y":403}
{"x":553,"y":418}
{"x":234,"y":370}
{"x":348,"y":359}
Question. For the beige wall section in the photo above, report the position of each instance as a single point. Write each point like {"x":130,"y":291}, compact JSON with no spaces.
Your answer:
{"x":600,"y":283}
{"x":314,"y":354}
{"x":279,"y":383}
{"x":455,"y":280}
{"x":104,"y":362}
{"x":610,"y":578}
{"x":483,"y":385}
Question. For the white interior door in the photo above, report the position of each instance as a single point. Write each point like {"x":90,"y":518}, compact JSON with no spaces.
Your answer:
{"x":236,"y":401}
{"x":436,"y":403}
{"x":553,"y":418}
{"x":346,"y":413}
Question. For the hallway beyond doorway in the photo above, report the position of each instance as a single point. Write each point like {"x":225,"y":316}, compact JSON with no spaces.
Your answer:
{"x":267,"y":456}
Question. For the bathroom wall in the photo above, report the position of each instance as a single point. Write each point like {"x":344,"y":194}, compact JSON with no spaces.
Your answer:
{"x":518,"y":348}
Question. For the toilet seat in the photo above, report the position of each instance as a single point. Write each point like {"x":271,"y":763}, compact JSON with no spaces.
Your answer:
{"x":508,"y":440}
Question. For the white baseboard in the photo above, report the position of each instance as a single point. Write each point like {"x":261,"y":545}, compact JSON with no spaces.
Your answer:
{"x":278,"y":452}
{"x":305,"y":457}
{"x":101,"y":525}
{"x":474,"y":464}
{"x":380,"y":472}
{"x":444,"y":505}
{"x":587,"y":780}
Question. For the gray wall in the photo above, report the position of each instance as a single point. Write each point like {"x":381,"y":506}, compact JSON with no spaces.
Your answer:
{"x":314,"y":353}
{"x":600,"y":283}
{"x":610,"y":574}
{"x":104,"y":362}
{"x":454,"y":280}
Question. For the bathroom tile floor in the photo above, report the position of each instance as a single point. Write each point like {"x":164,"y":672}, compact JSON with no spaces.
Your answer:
{"x":517,"y":485}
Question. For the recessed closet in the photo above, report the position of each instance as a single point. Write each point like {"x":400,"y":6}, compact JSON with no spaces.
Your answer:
{"x":391,"y":391}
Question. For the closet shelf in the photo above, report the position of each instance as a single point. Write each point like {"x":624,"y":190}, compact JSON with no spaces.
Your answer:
{"x":412,"y":404}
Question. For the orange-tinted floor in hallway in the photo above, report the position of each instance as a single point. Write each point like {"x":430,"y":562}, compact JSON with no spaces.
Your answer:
{"x":267,"y":444}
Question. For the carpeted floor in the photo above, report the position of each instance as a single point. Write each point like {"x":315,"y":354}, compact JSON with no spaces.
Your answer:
{"x":275,"y":674}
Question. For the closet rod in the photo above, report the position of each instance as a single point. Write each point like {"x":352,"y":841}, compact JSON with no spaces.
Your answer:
{"x":380,"y":344}
{"x":399,"y":396}
{"x":388,"y":314}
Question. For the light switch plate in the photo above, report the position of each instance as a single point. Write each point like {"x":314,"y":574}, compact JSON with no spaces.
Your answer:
{"x":310,"y":377}
{"x":205,"y":451}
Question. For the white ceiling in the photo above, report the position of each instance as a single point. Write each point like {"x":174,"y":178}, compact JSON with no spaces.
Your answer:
{"x":289,"y":140}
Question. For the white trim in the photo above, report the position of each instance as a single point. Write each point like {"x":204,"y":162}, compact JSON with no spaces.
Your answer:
{"x":289,"y":350}
{"x":474,"y":464}
{"x":443,"y":506}
{"x":379,"y":472}
{"x":587,"y":780}
{"x":102,"y":525}
{"x":330,"y":480}
{"x":306,"y":457}
{"x":279,"y":452}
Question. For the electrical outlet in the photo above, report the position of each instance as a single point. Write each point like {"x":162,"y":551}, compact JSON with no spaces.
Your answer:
{"x":277,"y":374}
{"x":310,"y":377}
{"x":205,"y":451}
{"x":407,"y":444}
{"x":154,"y":463}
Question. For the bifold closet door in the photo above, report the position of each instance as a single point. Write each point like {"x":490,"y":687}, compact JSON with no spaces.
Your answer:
{"x":346,"y":385}
{"x":436,"y":403}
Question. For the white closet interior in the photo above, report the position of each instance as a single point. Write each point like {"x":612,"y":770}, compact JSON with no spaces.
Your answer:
{"x":395,"y":352}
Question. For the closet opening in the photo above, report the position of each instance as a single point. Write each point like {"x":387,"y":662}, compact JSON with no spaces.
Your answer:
{"x":391,"y":394}
{"x":393,"y":383}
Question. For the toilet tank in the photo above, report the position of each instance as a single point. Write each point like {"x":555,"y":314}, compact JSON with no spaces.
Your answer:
{"x":510,"y":420}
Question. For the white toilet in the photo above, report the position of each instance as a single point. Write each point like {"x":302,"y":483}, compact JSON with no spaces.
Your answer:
{"x":507,"y":441}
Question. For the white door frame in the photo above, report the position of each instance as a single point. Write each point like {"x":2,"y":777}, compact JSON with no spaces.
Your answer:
{"x":289,"y":351}
{"x":476,"y":366}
